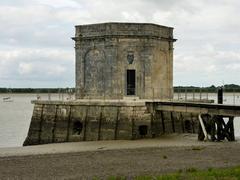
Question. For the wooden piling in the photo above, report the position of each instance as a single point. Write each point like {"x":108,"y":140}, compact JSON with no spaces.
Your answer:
{"x":116,"y":124}
{"x":182,"y":123}
{"x":192,"y":122}
{"x":100,"y":124}
{"x":40,"y":125}
{"x":68,"y":123}
{"x":85,"y":124}
{"x":133,"y":123}
{"x":54,"y":124}
{"x":162,"y":118}
{"x":172,"y":120}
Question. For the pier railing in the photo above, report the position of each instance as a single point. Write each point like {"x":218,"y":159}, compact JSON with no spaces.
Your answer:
{"x":230,"y":96}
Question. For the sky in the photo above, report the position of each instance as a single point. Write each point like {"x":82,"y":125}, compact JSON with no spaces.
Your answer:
{"x":36,"y":49}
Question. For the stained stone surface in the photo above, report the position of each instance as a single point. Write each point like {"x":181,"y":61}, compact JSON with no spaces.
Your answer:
{"x":104,"y":53}
{"x":70,"y":121}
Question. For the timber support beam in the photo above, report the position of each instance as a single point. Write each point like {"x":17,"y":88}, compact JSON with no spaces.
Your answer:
{"x":216,"y":127}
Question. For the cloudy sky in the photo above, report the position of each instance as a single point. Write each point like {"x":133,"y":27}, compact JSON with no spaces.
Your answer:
{"x":36,"y":49}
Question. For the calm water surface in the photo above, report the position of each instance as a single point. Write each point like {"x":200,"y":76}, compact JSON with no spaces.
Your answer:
{"x":15,"y":116}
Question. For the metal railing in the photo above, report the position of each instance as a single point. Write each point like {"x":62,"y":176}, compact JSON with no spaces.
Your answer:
{"x":230,"y":96}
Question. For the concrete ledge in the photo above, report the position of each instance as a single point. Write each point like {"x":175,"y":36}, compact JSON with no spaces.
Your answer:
{"x":93,"y":102}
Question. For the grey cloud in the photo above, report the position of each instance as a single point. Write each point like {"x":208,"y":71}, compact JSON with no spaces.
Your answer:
{"x":208,"y":34}
{"x":44,"y":65}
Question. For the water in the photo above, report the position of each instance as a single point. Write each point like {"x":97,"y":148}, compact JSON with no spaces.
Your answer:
{"x":15,"y":116}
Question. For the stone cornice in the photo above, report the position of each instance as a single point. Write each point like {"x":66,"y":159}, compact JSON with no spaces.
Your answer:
{"x":81,"y":38}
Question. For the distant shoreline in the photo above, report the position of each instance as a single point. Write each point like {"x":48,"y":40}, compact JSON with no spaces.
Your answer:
{"x":228,"y":88}
{"x":37,"y":90}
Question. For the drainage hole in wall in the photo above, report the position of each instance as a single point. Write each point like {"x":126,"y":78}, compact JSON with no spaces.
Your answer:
{"x":143,"y":130}
{"x":77,"y":127}
{"x":188,"y":126}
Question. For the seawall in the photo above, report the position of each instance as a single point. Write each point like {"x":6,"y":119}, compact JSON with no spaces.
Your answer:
{"x":71,"y":121}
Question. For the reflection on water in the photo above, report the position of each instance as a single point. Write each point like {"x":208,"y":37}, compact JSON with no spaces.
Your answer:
{"x":16,"y":112}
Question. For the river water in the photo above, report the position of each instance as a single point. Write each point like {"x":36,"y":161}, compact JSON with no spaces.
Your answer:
{"x":15,"y":116}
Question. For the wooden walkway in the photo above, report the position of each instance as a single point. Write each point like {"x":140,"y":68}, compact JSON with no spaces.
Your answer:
{"x":197,"y":108}
{"x":215,"y":120}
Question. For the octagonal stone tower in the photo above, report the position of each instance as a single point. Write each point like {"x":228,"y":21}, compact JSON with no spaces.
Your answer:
{"x":117,"y":60}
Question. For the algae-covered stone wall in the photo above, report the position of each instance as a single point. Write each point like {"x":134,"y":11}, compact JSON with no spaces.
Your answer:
{"x":59,"y":121}
{"x":54,"y":122}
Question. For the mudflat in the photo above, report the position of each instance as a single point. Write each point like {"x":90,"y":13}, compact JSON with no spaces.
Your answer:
{"x":128,"y":158}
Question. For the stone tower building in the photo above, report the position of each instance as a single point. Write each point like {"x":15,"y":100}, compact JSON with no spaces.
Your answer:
{"x":117,"y":60}
{"x":114,"y":61}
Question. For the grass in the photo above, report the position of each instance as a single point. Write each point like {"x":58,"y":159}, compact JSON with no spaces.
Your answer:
{"x":193,"y":174}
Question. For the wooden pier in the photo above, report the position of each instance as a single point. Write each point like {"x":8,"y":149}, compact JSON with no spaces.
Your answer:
{"x":215,"y":120}
{"x":197,"y":108}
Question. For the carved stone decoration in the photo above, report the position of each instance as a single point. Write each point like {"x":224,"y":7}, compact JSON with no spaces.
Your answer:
{"x":130,"y":57}
{"x":94,"y":75}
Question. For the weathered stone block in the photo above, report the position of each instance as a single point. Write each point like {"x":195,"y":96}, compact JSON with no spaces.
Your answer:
{"x":105,"y":52}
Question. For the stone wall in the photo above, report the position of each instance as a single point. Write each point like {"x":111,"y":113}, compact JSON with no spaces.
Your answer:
{"x":59,"y":121}
{"x":102,"y":60}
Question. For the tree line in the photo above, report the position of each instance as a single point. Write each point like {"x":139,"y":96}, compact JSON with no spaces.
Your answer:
{"x":210,"y":89}
{"x":37,"y":90}
{"x":182,"y":89}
